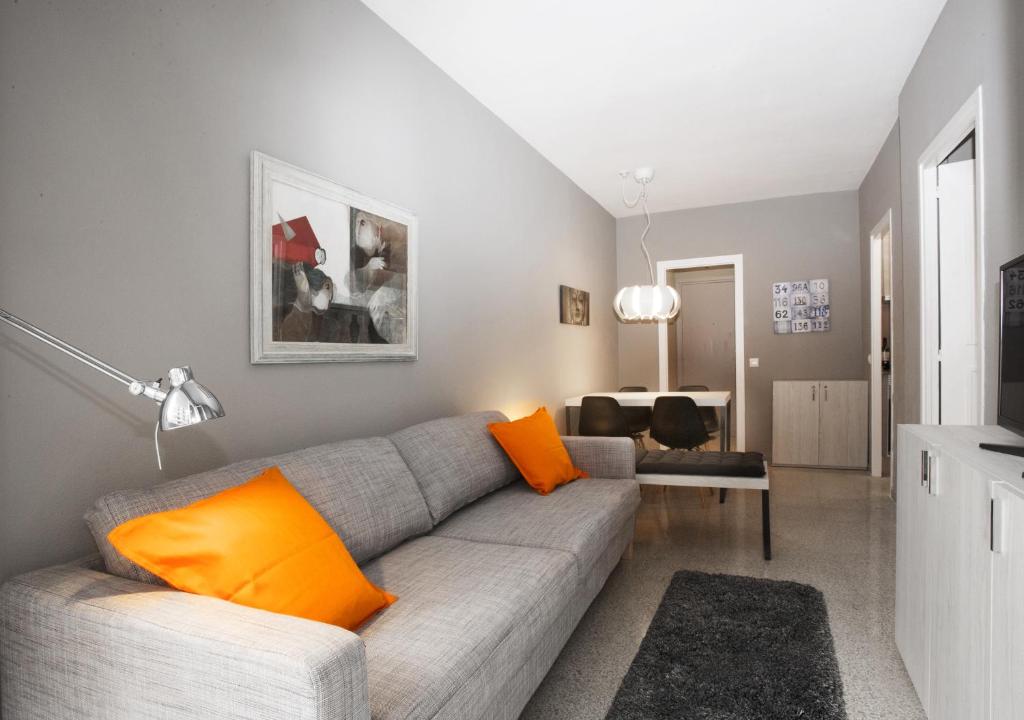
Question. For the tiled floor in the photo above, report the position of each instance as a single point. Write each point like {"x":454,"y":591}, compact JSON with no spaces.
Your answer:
{"x":832,"y":530}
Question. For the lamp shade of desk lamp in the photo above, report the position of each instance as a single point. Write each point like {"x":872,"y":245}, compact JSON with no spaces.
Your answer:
{"x":187,"y":402}
{"x":184,"y":403}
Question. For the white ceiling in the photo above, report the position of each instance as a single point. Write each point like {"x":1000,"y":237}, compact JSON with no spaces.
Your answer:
{"x":730,"y":100}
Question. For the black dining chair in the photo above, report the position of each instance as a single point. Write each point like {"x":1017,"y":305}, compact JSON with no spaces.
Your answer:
{"x":602,"y":416}
{"x":708,"y":414}
{"x":638,"y":418}
{"x":677,"y":424}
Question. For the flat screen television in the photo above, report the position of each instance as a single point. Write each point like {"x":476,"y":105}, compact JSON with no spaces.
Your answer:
{"x":1011,"y":353}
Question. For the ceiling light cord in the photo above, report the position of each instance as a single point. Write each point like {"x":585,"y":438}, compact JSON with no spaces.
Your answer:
{"x":641,"y":199}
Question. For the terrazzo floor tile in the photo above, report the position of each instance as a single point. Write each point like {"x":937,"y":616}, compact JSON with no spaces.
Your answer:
{"x":833,"y":530}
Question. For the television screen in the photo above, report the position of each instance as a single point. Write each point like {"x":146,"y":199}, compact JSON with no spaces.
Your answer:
{"x":1011,"y":359}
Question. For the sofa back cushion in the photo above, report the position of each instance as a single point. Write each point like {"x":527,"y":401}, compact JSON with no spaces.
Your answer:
{"x":362,"y":488}
{"x":455,"y":460}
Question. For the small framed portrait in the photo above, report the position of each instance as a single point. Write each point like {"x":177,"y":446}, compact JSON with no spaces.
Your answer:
{"x":574,"y":305}
{"x":333,"y":271}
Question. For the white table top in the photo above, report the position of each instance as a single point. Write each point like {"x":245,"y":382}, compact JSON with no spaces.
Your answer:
{"x":713,"y":398}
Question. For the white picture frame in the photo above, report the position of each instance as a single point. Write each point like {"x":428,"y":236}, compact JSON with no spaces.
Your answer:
{"x":369,"y":318}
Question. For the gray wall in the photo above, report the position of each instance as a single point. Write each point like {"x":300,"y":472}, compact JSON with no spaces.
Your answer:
{"x":790,"y":238}
{"x":879,"y":193}
{"x":974,"y":42}
{"x":125,"y":131}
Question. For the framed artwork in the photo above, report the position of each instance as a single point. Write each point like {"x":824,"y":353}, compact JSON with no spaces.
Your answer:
{"x":574,"y":306}
{"x":333,"y":271}
{"x":801,"y":306}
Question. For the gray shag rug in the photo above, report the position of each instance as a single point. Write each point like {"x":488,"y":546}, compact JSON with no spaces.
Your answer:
{"x":723,"y":647}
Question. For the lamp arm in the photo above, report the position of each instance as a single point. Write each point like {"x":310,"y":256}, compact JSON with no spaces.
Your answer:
{"x":80,"y":355}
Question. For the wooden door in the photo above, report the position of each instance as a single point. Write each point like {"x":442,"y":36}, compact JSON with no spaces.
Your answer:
{"x":912,"y":458}
{"x":957,"y":591}
{"x":843,"y":424}
{"x":795,"y":422}
{"x":1007,"y":652}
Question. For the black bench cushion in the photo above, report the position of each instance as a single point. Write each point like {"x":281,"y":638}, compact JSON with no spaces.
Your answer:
{"x":690,"y":462}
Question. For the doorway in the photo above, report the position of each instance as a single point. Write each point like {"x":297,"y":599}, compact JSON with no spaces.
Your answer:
{"x":952,"y":235}
{"x":703,"y":345}
{"x":702,"y":338}
{"x":882,"y":431}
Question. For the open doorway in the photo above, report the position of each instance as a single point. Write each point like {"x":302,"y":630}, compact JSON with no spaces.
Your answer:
{"x":952,"y":236}
{"x":881,"y":347}
{"x":703,"y":345}
{"x":702,"y":337}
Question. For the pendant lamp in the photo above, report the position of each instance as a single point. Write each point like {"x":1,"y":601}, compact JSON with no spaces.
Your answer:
{"x":644,"y":303}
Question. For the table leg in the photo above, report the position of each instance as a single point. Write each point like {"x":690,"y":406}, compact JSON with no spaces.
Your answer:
{"x":723,"y":431}
{"x":766,"y":525}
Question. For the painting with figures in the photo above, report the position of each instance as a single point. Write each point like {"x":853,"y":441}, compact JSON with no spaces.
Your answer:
{"x":333,"y":271}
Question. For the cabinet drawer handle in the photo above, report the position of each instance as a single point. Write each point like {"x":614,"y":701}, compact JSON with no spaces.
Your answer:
{"x":924,"y":468}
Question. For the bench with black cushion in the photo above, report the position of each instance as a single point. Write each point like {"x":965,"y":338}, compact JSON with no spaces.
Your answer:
{"x":723,"y":470}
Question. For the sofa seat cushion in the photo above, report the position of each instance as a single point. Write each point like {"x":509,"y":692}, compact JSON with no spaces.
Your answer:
{"x":460,"y":604}
{"x":362,"y":488}
{"x":455,"y":460}
{"x":579,"y":518}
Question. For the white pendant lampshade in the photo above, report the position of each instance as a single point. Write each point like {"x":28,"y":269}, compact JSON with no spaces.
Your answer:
{"x":644,"y":303}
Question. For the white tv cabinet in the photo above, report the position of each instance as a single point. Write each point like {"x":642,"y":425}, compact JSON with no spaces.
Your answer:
{"x":960,"y":571}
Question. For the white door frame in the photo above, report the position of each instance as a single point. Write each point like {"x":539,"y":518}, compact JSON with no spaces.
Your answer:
{"x":884,"y":225}
{"x":967,"y":119}
{"x":739,"y":408}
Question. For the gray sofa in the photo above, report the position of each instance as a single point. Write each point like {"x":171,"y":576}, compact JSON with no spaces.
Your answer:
{"x":492,"y":578}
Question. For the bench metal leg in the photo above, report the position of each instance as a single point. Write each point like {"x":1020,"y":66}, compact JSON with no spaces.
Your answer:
{"x":721,"y":495}
{"x":766,"y":525}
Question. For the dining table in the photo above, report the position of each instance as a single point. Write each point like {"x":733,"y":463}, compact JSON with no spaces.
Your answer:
{"x":720,"y":399}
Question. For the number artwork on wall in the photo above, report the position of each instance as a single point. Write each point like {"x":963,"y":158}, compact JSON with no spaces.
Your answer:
{"x":801,"y":306}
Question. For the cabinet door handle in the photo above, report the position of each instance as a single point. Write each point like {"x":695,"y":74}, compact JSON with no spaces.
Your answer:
{"x":995,"y":526}
{"x":814,"y":392}
{"x":825,"y":388}
{"x":925,"y":466}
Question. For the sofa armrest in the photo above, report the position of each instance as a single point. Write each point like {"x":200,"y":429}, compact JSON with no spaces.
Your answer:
{"x":79,"y":643}
{"x":603,"y":457}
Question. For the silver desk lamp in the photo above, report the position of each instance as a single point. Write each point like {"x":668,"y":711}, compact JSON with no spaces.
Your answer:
{"x":185,"y":403}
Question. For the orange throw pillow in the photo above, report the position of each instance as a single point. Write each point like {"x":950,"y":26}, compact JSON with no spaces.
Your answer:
{"x":535,"y":447}
{"x":259,"y":544}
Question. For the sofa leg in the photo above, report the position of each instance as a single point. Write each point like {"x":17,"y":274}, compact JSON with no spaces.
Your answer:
{"x":721,"y":495}
{"x":766,"y":524}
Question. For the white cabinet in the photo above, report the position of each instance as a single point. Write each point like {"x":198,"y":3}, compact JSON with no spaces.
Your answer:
{"x":957,"y":589}
{"x":820,"y":423}
{"x":795,"y":423}
{"x":912,"y":621}
{"x":959,"y":604}
{"x":1007,"y":603}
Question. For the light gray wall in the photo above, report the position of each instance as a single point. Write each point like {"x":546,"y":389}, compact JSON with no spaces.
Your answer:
{"x":880,"y":193}
{"x":974,"y":42}
{"x":792,"y":238}
{"x":125,"y":131}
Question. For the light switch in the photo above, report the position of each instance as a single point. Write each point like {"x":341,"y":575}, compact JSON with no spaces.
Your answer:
{"x":755,"y":362}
